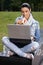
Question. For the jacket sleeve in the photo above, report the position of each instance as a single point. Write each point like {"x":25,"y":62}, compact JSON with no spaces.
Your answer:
{"x":37,"y":32}
{"x":18,"y":18}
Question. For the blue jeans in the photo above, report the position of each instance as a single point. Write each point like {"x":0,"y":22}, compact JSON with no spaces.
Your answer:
{"x":20,"y":51}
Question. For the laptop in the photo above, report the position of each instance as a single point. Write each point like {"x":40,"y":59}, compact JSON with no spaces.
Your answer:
{"x":21,"y":33}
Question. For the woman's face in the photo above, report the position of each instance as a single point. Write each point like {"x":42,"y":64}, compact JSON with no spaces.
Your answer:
{"x":25,"y":12}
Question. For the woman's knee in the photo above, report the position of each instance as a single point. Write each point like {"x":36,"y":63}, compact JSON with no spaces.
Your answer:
{"x":35,"y":44}
{"x":4,"y":38}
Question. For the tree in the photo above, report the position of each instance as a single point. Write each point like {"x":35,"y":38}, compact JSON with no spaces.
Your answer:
{"x":2,"y":4}
{"x":14,"y":5}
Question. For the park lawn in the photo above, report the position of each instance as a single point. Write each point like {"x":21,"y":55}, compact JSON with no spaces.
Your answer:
{"x":9,"y":18}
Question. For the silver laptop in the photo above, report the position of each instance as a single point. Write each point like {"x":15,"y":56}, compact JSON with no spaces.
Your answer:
{"x":17,"y":31}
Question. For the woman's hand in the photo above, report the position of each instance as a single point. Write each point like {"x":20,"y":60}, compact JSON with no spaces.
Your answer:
{"x":32,"y":38}
{"x":21,"y":21}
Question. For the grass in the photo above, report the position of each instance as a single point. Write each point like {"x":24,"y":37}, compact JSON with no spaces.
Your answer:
{"x":9,"y":17}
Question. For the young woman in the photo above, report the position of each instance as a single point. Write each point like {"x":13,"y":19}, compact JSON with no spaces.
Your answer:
{"x":26,"y":18}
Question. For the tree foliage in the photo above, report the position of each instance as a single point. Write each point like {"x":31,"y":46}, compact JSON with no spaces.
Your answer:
{"x":14,"y":5}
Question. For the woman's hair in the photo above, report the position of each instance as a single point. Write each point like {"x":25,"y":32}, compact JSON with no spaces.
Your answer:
{"x":26,"y":5}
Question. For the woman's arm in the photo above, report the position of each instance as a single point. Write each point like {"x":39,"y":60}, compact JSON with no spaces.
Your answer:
{"x":37,"y":34}
{"x":35,"y":31}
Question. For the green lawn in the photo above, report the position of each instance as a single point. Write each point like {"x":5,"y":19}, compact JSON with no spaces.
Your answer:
{"x":9,"y":17}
